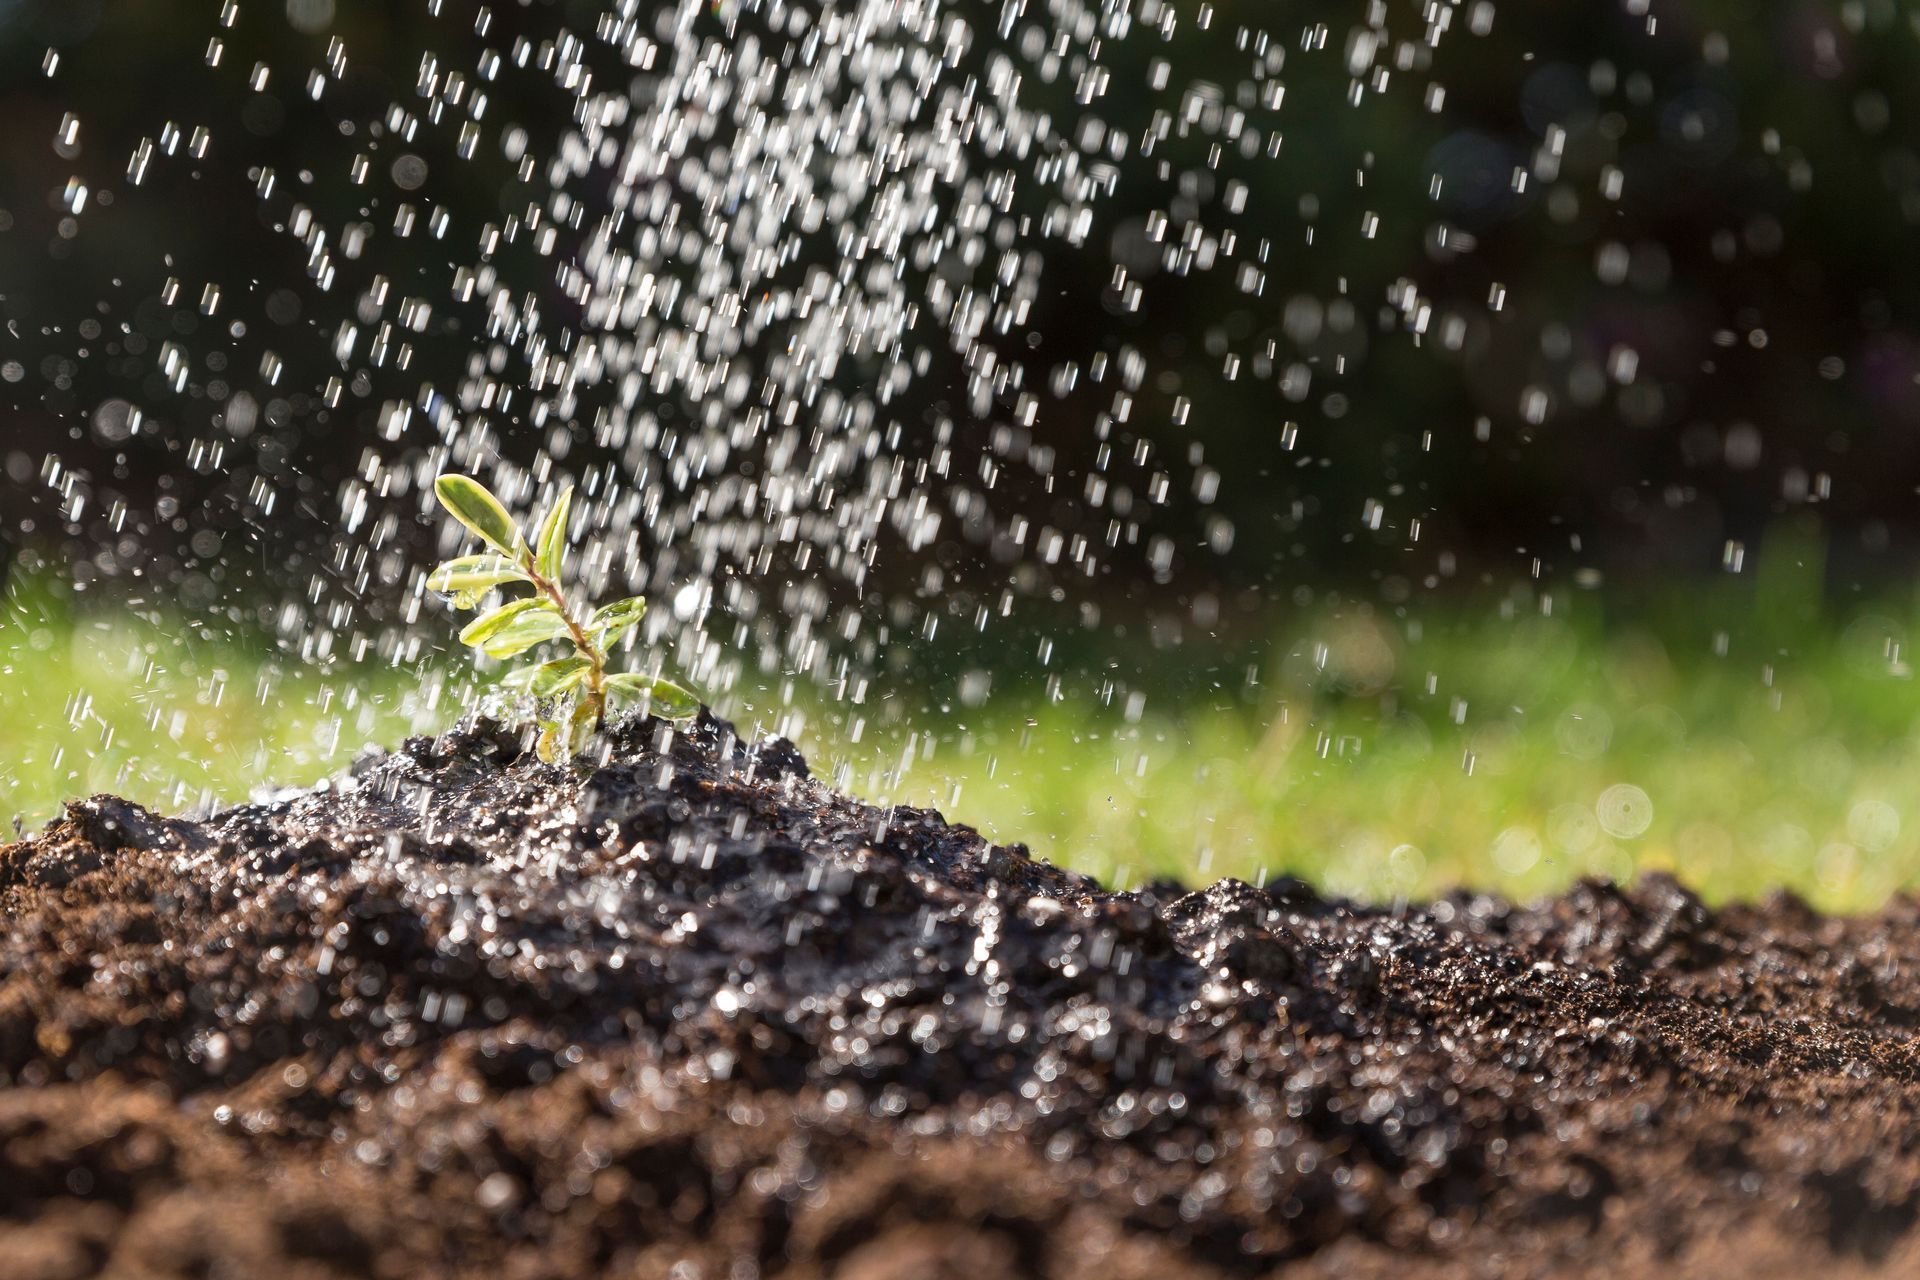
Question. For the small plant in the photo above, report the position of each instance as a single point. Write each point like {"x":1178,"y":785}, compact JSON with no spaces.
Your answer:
{"x":579,"y":688}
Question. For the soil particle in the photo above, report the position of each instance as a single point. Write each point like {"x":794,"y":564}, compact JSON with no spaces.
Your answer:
{"x":683,"y":1011}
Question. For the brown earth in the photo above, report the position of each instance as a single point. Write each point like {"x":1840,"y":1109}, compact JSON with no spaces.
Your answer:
{"x":692,"y":1014}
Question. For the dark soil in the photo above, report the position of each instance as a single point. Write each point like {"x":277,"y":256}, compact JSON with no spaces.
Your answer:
{"x":692,"y":1014}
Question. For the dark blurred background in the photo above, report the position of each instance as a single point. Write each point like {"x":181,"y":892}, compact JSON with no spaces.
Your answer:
{"x":1707,"y":320}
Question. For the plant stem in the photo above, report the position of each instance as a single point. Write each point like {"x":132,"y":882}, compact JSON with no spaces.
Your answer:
{"x":597,"y":668}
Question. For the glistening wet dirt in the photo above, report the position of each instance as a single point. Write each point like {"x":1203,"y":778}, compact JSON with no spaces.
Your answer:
{"x":690,"y":1013}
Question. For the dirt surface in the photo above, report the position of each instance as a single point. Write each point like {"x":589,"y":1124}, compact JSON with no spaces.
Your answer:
{"x":691,"y":1014}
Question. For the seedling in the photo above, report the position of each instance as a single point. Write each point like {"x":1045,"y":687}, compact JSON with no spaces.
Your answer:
{"x":578,"y":689}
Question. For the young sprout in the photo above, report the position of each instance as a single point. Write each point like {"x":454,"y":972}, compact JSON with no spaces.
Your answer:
{"x":579,"y":686}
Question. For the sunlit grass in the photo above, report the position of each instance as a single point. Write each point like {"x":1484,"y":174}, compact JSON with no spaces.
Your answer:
{"x":1379,"y":758}
{"x":1619,"y":766}
{"x":161,"y":713}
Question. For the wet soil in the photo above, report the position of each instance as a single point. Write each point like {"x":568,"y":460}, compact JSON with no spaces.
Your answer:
{"x":688,"y":1013}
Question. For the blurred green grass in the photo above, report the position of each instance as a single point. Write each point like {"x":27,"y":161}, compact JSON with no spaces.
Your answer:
{"x":1744,"y":738}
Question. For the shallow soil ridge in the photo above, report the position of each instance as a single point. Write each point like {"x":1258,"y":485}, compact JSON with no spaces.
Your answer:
{"x":690,"y":1013}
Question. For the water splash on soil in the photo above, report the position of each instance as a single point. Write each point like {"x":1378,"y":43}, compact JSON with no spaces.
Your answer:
{"x":466,"y":1005}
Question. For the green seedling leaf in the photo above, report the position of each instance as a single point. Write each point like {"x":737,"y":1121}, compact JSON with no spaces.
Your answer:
{"x":580,"y":728}
{"x":470,"y":577}
{"x":552,"y":537}
{"x":470,"y":502}
{"x":550,"y":679}
{"x":491,"y":624}
{"x":539,"y":680}
{"x":667,"y":698}
{"x":614,"y":621}
{"x":548,"y":747}
{"x":525,"y":630}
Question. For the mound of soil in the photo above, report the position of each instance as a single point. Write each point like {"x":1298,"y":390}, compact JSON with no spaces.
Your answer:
{"x":692,"y":1014}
